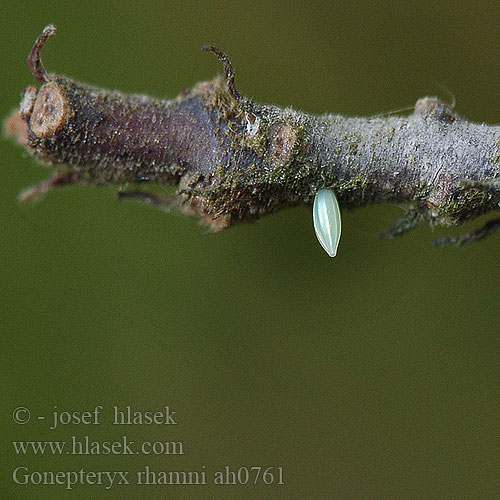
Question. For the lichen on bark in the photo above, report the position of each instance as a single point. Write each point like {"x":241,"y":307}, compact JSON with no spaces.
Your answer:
{"x":234,"y":160}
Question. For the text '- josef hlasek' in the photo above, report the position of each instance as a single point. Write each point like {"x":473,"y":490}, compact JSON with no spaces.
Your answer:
{"x":118,"y":416}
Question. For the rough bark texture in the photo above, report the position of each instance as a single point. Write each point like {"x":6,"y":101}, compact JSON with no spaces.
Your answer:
{"x":235,"y":160}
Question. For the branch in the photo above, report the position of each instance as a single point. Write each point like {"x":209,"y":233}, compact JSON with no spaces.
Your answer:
{"x":234,"y":160}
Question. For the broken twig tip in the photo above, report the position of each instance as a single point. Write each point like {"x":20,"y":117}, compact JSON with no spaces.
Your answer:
{"x":34,"y":59}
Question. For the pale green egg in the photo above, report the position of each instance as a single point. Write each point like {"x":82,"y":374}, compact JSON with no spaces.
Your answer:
{"x":326,"y":219}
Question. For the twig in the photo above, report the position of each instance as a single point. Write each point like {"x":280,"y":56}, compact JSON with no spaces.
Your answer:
{"x":234,"y":160}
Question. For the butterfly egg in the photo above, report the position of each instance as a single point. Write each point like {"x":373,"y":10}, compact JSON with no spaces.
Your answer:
{"x":326,"y":219}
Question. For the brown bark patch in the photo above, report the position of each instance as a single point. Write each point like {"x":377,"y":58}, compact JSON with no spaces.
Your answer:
{"x":283,"y":138}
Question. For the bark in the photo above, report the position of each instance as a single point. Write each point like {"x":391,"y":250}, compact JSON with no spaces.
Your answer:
{"x":234,"y":160}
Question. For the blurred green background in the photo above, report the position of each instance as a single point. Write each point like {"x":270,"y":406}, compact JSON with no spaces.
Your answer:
{"x":373,"y":375}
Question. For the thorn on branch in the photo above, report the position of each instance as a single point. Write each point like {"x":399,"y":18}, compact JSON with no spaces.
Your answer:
{"x":228,"y":72}
{"x":407,"y":222}
{"x":56,"y":180}
{"x":34,"y":59}
{"x":489,"y":228}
